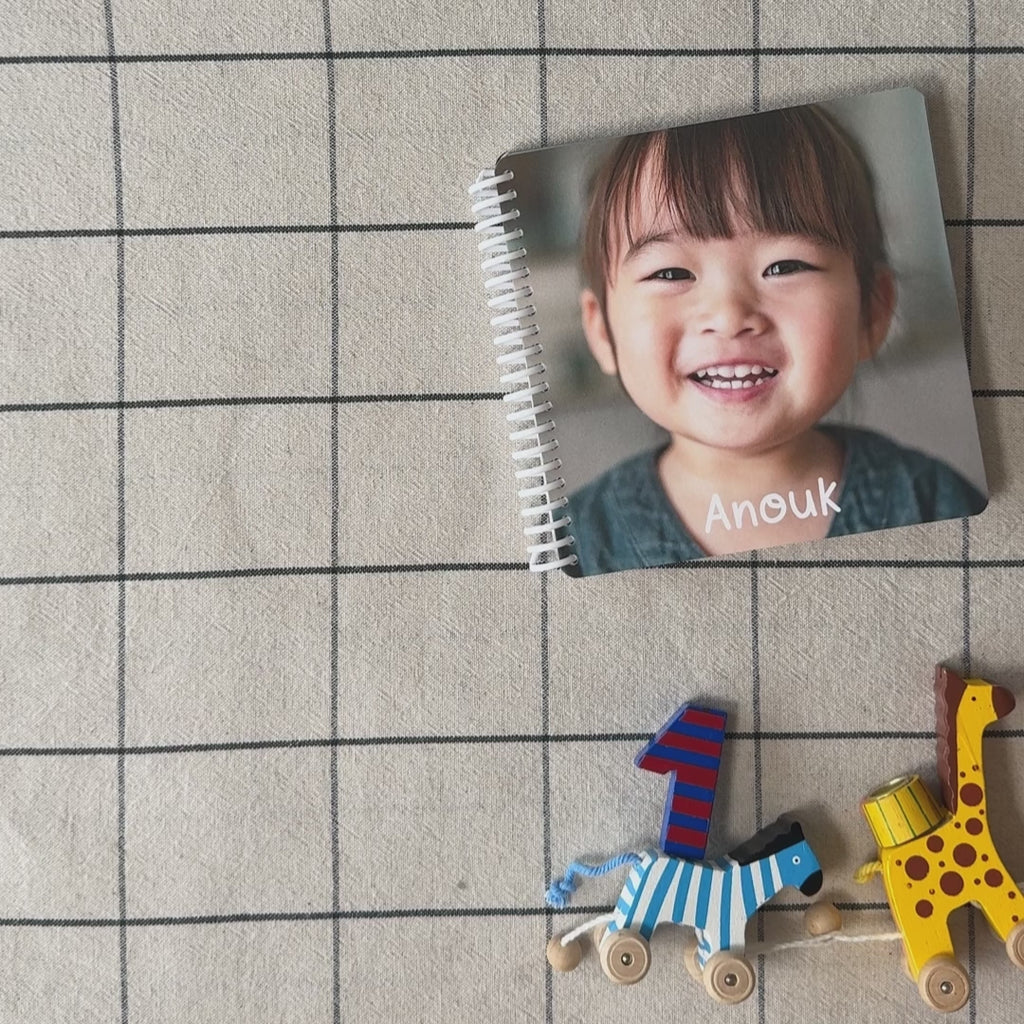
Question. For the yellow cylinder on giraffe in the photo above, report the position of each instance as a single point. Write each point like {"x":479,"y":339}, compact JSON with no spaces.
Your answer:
{"x":901,"y":810}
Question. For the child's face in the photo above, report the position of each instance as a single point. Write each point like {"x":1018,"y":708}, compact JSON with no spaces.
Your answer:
{"x":739,"y":343}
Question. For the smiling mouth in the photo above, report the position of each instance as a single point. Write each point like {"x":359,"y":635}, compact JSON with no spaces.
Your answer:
{"x":734,"y":377}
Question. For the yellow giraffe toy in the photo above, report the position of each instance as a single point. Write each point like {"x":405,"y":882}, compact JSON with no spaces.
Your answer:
{"x":933,"y":859}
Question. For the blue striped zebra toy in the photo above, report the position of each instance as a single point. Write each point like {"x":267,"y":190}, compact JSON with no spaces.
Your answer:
{"x":715,"y":898}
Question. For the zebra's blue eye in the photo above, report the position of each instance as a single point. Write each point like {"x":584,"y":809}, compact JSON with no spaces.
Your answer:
{"x":796,"y":860}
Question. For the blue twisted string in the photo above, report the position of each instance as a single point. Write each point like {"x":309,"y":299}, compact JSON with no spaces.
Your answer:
{"x":562,"y":888}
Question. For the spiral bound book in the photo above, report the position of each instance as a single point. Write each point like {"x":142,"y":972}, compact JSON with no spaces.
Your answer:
{"x":729,"y":336}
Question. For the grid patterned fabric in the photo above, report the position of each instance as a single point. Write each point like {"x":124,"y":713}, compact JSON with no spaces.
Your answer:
{"x":287,"y":732}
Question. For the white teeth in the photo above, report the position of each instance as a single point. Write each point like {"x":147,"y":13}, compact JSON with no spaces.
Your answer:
{"x":747,"y":383}
{"x":734,"y":371}
{"x":737,"y":384}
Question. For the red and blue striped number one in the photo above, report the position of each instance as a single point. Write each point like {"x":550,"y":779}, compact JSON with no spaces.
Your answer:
{"x":688,"y":749}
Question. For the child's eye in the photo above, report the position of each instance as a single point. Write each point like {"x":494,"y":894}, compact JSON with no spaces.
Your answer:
{"x":672,"y":274}
{"x":781,"y":267}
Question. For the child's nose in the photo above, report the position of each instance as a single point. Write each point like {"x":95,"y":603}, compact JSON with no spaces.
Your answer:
{"x":731,"y":309}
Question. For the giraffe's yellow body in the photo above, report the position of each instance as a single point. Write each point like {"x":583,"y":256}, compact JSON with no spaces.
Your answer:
{"x":937,"y":859}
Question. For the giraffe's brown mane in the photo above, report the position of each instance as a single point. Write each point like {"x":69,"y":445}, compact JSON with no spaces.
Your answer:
{"x":949,"y":689}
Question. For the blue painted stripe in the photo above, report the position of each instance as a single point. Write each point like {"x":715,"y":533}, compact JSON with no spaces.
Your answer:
{"x":694,"y":792}
{"x":766,"y":877}
{"x":686,"y":852}
{"x":747,"y":887}
{"x":685,"y":880}
{"x":631,"y":884}
{"x":703,"y":897}
{"x":700,"y":732}
{"x":677,"y":756}
{"x":688,"y":821}
{"x":641,"y":882}
{"x":654,"y":909}
{"x":725,"y":936}
{"x":622,"y":906}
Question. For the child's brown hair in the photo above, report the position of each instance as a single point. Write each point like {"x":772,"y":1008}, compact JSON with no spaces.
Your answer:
{"x":783,"y":172}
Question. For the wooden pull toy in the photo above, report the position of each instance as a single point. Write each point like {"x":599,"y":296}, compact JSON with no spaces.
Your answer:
{"x":935,"y":859}
{"x":716,"y":898}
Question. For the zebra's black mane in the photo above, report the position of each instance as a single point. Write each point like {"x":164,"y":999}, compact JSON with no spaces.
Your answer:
{"x":773,"y":838}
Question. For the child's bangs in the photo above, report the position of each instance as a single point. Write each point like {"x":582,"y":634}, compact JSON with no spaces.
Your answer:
{"x":790,"y":172}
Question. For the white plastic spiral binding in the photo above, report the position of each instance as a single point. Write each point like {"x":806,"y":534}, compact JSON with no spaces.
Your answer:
{"x":505,"y":272}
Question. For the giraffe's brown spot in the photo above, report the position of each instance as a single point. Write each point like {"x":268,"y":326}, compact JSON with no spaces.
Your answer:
{"x":956,"y":824}
{"x":935,"y":843}
{"x":1003,"y":702}
{"x":972,"y":794}
{"x":974,"y":826}
{"x":917,"y":868}
{"x":1012,"y":895}
{"x":964,"y":854}
{"x":993,"y":878}
{"x":923,"y":908}
{"x":951,"y":883}
{"x":984,"y":856}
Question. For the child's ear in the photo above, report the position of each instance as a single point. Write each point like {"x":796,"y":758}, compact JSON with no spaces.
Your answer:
{"x":879,"y":313}
{"x":595,"y":327}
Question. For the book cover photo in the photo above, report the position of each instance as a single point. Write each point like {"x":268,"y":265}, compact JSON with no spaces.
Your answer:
{"x":745,"y":333}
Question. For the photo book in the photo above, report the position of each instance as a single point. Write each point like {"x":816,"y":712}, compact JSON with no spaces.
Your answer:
{"x":729,"y":336}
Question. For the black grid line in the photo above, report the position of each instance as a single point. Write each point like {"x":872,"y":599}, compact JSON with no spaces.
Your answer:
{"x":228,"y":401}
{"x":968,"y":329}
{"x":239,"y":229}
{"x":542,"y":60}
{"x":250,"y":400}
{"x":384,"y":228}
{"x":335,"y":668}
{"x":545,"y":664}
{"x":390,"y":914}
{"x":396,"y":568}
{"x":756,"y":55}
{"x":755,"y":703}
{"x":122,"y":884}
{"x":544,"y":739}
{"x":755,"y":645}
{"x":545,"y":770}
{"x":428,"y":53}
{"x":968,"y":317}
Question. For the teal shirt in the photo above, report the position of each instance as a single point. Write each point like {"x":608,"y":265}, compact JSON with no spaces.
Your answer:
{"x":624,"y":520}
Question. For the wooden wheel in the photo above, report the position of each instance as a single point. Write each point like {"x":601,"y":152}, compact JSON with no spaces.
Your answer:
{"x":1015,"y":945}
{"x":564,"y":957}
{"x":943,"y":984}
{"x":690,"y":960}
{"x":625,"y":956}
{"x":728,"y":978}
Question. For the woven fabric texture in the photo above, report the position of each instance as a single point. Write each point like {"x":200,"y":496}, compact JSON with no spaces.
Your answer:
{"x":287,"y":731}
